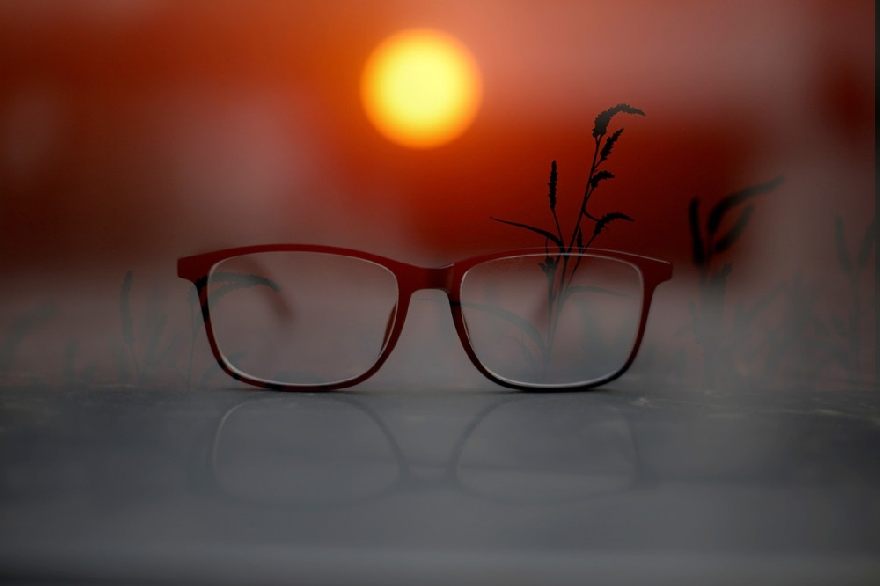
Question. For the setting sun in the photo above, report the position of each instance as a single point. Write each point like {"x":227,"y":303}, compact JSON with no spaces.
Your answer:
{"x":421,"y":88}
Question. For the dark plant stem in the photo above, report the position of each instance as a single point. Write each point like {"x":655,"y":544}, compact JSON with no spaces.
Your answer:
{"x":556,"y":294}
{"x":588,"y":191}
{"x":577,"y":262}
{"x":556,"y":266}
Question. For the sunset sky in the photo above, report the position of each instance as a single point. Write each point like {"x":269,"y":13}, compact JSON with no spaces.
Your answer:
{"x":132,"y":133}
{"x":232,"y":122}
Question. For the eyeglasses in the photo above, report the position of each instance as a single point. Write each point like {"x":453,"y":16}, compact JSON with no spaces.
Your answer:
{"x":300,"y":317}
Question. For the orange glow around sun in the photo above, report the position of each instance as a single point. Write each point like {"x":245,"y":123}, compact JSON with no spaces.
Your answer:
{"x":421,"y":88}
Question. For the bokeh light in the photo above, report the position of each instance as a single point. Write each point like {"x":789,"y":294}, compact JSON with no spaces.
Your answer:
{"x":421,"y":88}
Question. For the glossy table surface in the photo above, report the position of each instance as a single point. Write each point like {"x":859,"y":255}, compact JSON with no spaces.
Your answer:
{"x":625,"y":485}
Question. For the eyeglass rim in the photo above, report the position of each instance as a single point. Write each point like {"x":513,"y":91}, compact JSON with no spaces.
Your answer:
{"x":411,"y":278}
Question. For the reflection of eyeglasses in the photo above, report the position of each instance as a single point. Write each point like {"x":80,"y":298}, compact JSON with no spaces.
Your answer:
{"x":305,"y":317}
{"x":503,"y":453}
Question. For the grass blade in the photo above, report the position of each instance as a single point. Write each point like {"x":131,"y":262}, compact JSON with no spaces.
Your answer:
{"x":600,"y":126}
{"x":554,"y":177}
{"x":599,"y":177}
{"x":736,"y":198}
{"x":607,"y":219}
{"x":548,"y":235}
{"x":735,"y":232}
{"x":513,"y":319}
{"x":609,"y":145}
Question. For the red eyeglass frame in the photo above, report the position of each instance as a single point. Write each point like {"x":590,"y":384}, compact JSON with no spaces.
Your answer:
{"x":411,"y":278}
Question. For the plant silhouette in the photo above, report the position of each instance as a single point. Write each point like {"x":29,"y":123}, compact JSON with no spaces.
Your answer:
{"x":708,"y":244}
{"x":154,"y":324}
{"x":562,"y":260}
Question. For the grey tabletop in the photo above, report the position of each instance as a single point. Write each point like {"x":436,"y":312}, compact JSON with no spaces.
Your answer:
{"x":626,"y":485}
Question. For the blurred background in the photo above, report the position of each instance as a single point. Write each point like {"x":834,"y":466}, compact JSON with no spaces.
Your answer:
{"x":135,"y":132}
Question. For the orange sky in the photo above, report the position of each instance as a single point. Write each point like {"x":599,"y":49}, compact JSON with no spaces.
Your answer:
{"x":133,"y":133}
{"x":227,"y":123}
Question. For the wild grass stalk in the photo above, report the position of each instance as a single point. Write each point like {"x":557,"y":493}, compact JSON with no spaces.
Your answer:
{"x":155,"y":343}
{"x":563,"y":259}
{"x":709,"y":243}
